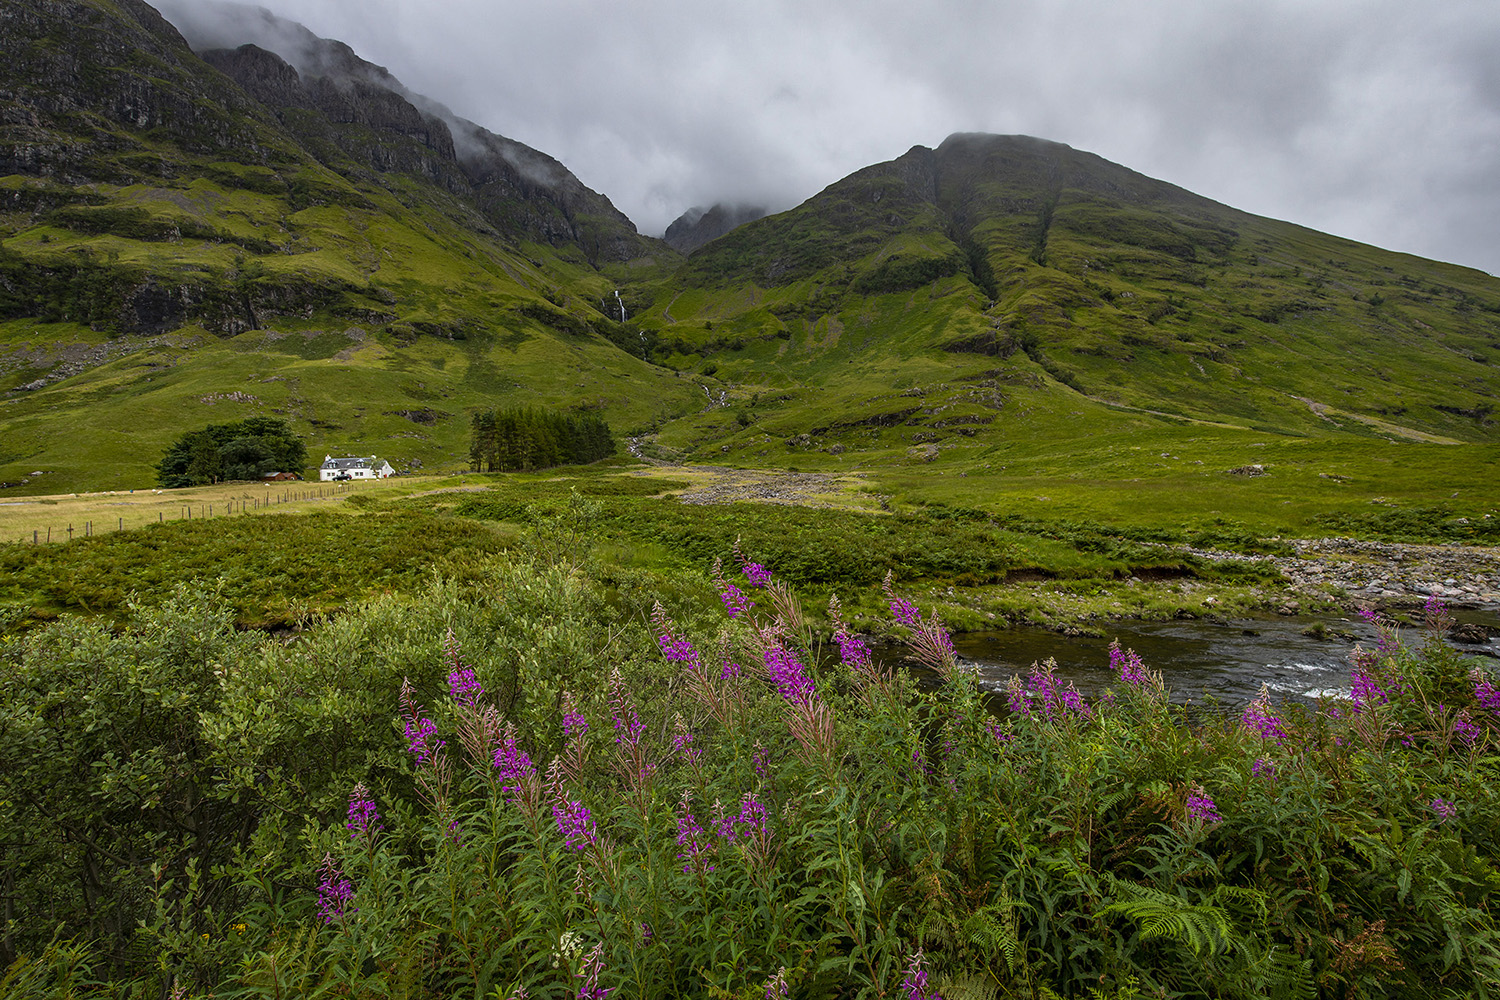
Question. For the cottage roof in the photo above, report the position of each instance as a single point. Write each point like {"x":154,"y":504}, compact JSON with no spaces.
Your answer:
{"x":345,"y":464}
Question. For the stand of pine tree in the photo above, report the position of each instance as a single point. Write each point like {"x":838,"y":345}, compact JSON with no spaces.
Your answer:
{"x":527,"y":438}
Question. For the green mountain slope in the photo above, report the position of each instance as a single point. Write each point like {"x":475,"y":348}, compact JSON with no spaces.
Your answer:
{"x":1003,"y":286}
{"x":190,"y":238}
{"x":175,"y":252}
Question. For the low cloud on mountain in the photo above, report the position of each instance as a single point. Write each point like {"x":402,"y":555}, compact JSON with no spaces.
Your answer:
{"x":1375,"y":120}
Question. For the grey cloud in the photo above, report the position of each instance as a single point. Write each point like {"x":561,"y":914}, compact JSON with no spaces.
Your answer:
{"x":1373,"y":119}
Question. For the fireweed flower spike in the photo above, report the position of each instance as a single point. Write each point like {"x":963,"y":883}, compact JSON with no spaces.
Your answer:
{"x":576,"y":824}
{"x":363,"y":820}
{"x":1128,"y":666}
{"x":734,"y":599}
{"x":1260,"y":719}
{"x":421,"y":732}
{"x":433,"y":767}
{"x":1435,"y":615}
{"x":695,"y":846}
{"x":1364,"y":690}
{"x":915,"y":983}
{"x":572,"y":720}
{"x":776,"y":986}
{"x":627,"y":724}
{"x":674,"y":648}
{"x":1442,"y":809}
{"x":463,"y":685}
{"x":1485,"y":693}
{"x":334,"y":891}
{"x":902,"y":610}
{"x":592,"y":966}
{"x":515,"y":770}
{"x":1202,"y":809}
{"x":757,"y":574}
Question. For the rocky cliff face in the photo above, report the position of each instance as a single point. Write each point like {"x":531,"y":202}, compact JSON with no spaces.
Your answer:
{"x":381,"y":125}
{"x":698,"y":226}
{"x":84,"y":91}
{"x":93,"y":92}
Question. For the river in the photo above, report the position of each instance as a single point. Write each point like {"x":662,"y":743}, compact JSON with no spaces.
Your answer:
{"x":1202,"y":660}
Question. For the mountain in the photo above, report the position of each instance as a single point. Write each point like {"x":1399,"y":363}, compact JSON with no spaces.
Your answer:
{"x":263,"y":223}
{"x":188,"y":240}
{"x":698,"y":226}
{"x":1063,"y":283}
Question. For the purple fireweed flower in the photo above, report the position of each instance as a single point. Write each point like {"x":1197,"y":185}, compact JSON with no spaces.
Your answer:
{"x":675,"y":649}
{"x":1386,"y":640}
{"x":572,"y":720}
{"x":789,"y":676}
{"x":905,"y":612}
{"x":1466,"y":730}
{"x":695,"y":848}
{"x":735,"y":601}
{"x":759,"y":760}
{"x":678,"y":650}
{"x":723,"y":823}
{"x":902,"y":610}
{"x":915,"y":983}
{"x":512,"y":763}
{"x":1017,"y":698}
{"x":1444,"y":810}
{"x":998,"y":732}
{"x":682,"y":743}
{"x":1201,"y":808}
{"x":1055,"y":702}
{"x":1485,"y":693}
{"x":455,"y":833}
{"x":592,"y":966}
{"x":628,"y":725}
{"x":576,"y":824}
{"x":334,"y":891}
{"x":1260,"y":719}
{"x":421,"y":739}
{"x":363,"y":820}
{"x":1128,"y":666}
{"x":751,"y":822}
{"x":757,"y":574}
{"x":1435,"y":615}
{"x":1364,"y":690}
{"x":854,"y":651}
{"x":731,"y":669}
{"x":776,"y":986}
{"x":1264,"y":768}
{"x":464,"y":686}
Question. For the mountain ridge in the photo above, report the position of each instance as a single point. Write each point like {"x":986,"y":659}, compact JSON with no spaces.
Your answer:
{"x":174,"y":229}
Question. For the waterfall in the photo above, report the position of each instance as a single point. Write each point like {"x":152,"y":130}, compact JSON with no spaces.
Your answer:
{"x":620,"y":304}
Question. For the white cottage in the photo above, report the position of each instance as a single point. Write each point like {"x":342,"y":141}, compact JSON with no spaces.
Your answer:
{"x":353,"y":468}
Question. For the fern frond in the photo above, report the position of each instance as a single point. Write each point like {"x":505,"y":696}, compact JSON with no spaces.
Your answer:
{"x":1203,"y":928}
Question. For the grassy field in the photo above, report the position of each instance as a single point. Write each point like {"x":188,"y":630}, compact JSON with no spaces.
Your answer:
{"x":121,"y":510}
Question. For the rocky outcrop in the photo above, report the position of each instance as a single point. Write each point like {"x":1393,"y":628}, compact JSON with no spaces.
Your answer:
{"x":698,"y":226}
{"x":372,"y":118}
{"x":80,"y":111}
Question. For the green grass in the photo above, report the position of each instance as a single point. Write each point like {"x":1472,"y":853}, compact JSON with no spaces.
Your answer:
{"x":270,"y":569}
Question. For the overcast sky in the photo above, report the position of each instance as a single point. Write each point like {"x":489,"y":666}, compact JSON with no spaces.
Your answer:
{"x":1377,"y":120}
